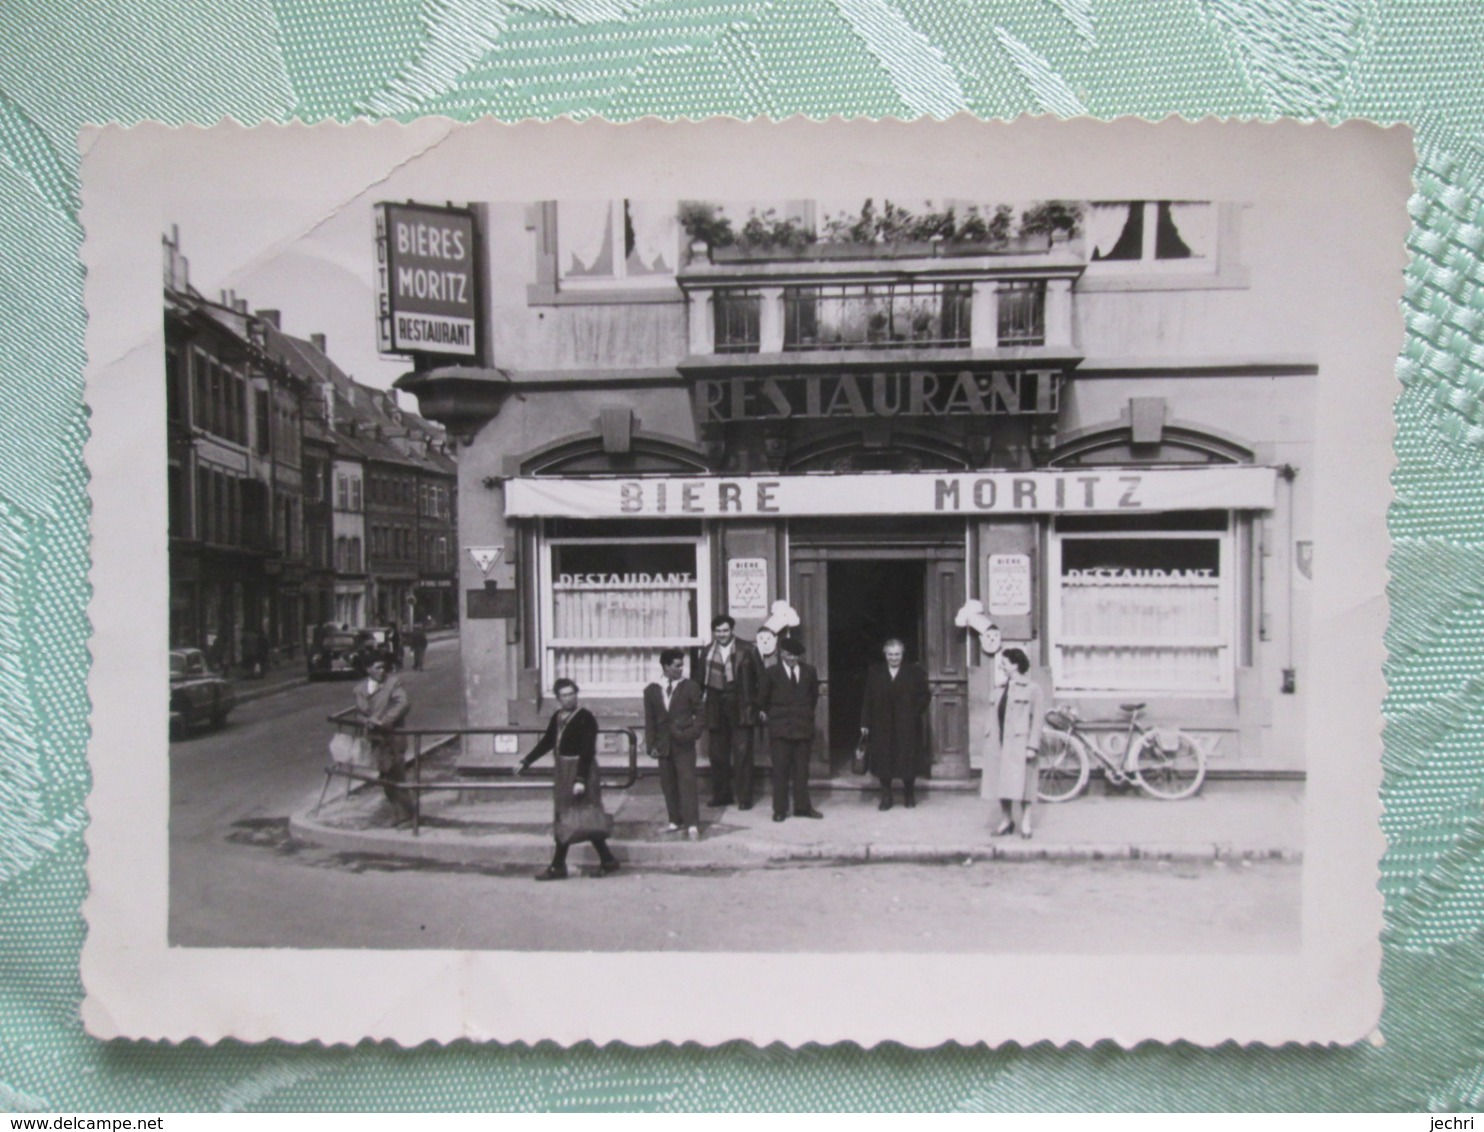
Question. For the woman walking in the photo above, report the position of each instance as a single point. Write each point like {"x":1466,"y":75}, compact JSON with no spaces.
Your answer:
{"x":572,"y":736}
{"x":1014,"y":742}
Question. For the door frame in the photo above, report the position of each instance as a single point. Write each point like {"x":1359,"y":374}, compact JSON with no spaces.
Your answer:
{"x":944,"y":552}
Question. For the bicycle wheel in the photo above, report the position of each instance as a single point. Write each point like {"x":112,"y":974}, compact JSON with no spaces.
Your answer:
{"x":1063,"y":765}
{"x":1169,"y":773}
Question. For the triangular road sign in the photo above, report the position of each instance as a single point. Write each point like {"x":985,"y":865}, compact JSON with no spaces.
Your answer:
{"x":485,"y":557}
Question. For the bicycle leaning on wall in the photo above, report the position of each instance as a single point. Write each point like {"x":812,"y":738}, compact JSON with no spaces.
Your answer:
{"x":1163,"y":762}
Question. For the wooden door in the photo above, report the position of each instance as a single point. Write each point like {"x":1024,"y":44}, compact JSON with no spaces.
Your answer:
{"x":948,"y":717}
{"x":809,"y":596}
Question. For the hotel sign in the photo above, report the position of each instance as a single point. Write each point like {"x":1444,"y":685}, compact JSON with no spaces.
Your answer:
{"x":426,"y":297}
{"x":1116,"y":491}
{"x":917,"y":393}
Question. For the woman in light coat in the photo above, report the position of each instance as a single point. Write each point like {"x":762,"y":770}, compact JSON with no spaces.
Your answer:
{"x":1014,"y":742}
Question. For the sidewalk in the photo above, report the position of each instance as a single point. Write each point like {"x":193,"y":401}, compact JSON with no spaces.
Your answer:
{"x":1227,"y":821}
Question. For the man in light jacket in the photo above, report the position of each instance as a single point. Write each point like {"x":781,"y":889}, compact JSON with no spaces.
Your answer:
{"x":384,"y":704}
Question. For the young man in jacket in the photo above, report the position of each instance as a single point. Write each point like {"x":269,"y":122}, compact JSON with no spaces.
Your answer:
{"x":728,"y":671}
{"x":672,"y":724}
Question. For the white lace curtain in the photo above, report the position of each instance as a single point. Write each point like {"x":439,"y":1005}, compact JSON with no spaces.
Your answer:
{"x":585,"y":237}
{"x":1196,"y":224}
{"x":1106,"y":225}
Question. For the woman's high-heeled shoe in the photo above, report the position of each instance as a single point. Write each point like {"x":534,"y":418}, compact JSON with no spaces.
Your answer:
{"x":1025,"y":828}
{"x":1005,"y":828}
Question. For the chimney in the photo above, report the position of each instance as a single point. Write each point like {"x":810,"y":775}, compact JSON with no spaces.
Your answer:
{"x":318,"y":342}
{"x":272,"y":316}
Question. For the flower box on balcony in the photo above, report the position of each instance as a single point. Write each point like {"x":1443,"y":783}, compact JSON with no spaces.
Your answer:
{"x":825,"y":250}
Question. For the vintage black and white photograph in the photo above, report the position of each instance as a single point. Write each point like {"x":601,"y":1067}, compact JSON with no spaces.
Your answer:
{"x":651,"y":554}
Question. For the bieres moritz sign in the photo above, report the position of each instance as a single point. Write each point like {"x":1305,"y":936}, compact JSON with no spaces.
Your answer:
{"x":426,"y":296}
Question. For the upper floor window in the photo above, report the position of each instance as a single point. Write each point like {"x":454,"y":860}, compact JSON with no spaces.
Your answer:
{"x":603,"y":243}
{"x":1174,"y":234}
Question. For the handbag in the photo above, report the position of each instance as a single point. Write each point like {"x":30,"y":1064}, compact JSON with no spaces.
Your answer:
{"x":579,"y":818}
{"x":350,"y":750}
{"x":858,"y":760}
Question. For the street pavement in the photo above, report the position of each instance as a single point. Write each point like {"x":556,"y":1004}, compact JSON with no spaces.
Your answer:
{"x":251,"y":865}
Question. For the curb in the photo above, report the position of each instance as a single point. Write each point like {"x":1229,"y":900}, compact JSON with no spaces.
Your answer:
{"x":732,"y":852}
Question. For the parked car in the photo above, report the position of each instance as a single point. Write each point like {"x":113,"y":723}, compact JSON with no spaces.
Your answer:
{"x":197,"y":694}
{"x":333,"y":651}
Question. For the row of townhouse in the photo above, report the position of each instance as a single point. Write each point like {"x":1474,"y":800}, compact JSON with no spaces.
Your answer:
{"x":297,"y":495}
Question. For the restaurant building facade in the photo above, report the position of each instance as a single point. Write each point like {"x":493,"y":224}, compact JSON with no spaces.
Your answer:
{"x":1094,"y":418}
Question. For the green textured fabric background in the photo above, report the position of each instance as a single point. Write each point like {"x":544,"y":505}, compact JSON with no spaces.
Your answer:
{"x":62,"y":65}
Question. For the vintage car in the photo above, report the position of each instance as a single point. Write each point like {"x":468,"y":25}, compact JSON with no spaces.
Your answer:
{"x":197,"y":695}
{"x":333,"y":651}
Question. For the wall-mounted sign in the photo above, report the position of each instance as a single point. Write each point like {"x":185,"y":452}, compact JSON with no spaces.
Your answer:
{"x":965,"y":393}
{"x":1009,"y":585}
{"x":485,"y":557}
{"x":425,"y":280}
{"x":1112,"y":491}
{"x":747,"y":587}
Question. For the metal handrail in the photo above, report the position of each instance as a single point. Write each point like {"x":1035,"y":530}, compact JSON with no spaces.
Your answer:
{"x":500,"y":778}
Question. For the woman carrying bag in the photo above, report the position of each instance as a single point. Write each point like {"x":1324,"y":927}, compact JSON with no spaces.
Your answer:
{"x":572,"y":735}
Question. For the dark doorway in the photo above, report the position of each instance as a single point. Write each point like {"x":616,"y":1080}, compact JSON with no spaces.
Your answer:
{"x":870,"y":601}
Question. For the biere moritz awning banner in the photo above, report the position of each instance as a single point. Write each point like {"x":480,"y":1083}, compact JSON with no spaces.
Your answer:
{"x":1073,"y":491}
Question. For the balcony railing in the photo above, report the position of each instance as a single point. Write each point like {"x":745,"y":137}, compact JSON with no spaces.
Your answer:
{"x":1022,"y":313}
{"x":880,"y":317}
{"x":799,"y":318}
{"x":738,"y":322}
{"x":983,"y":314}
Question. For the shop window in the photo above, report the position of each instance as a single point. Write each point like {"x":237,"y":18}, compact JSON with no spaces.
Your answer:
{"x":1143,"y":608}
{"x":613,"y":600}
{"x":1172,"y":234}
{"x":609,"y":243}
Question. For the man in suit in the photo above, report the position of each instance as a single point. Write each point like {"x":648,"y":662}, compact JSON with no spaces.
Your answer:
{"x":672,"y":724}
{"x":728,"y":671}
{"x":383,"y":704}
{"x":790,"y":691}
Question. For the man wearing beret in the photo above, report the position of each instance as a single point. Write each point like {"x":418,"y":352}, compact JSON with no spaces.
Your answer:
{"x":789,"y":693}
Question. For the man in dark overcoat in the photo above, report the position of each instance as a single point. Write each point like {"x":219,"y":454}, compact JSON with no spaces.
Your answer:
{"x":894,"y":722}
{"x":789,"y":693}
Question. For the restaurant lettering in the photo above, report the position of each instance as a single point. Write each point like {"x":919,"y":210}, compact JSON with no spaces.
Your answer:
{"x":1112,"y":574}
{"x":603,"y":581}
{"x":976,"y":393}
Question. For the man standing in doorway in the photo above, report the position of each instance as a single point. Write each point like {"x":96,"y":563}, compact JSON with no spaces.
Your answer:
{"x":893,"y":722}
{"x":728,"y":671}
{"x":790,"y":691}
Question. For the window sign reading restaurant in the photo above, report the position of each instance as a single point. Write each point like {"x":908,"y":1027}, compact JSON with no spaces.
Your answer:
{"x":611,"y":604}
{"x":1142,"y":611}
